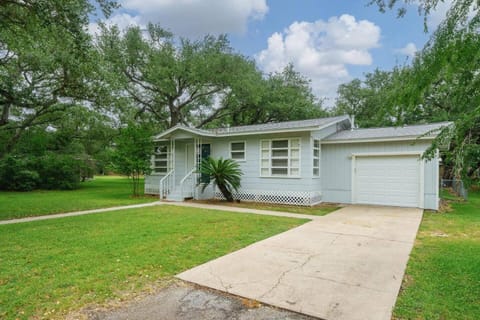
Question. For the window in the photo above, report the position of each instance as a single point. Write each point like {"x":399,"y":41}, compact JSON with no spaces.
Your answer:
{"x":280,"y":158}
{"x":237,"y":150}
{"x":316,"y":158}
{"x":161,"y":159}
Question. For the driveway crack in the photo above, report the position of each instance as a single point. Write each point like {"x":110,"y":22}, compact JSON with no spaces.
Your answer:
{"x":284,"y":273}
{"x":226,"y":288}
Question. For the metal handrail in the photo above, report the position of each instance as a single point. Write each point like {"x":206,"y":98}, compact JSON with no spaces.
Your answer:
{"x":188,"y":176}
{"x":165,"y":184}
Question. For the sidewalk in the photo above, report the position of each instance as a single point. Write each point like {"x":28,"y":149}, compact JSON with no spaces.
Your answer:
{"x":243,"y":210}
{"x":156,"y":203}
{"x":78,"y":213}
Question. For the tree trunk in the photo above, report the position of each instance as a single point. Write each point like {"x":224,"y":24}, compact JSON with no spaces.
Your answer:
{"x":5,"y":114}
{"x":227,"y":194}
{"x":175,"y":117}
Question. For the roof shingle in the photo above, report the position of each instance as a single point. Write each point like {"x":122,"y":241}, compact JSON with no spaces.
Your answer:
{"x":430,"y":129}
{"x":279,"y":125}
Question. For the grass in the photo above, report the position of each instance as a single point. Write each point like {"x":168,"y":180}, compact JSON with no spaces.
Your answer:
{"x":50,"y":267}
{"x":318,"y":210}
{"x":442,"y":280}
{"x":102,"y":192}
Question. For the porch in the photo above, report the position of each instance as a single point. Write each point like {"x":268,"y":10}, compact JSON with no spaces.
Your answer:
{"x":175,"y":164}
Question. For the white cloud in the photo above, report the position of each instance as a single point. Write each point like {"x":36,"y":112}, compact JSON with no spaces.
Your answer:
{"x":321,"y":50}
{"x":409,"y":50}
{"x":199,"y":17}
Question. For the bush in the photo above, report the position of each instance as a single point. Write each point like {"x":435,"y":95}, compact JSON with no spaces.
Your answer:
{"x":25,"y":180}
{"x":51,"y":171}
{"x":58,"y":172}
{"x":15,"y":174}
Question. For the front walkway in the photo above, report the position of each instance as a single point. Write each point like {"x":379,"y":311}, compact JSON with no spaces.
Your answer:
{"x":243,"y":210}
{"x":180,"y":204}
{"x":348,"y":264}
{"x":78,"y":213}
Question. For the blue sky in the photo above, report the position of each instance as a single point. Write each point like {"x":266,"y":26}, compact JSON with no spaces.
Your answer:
{"x":330,"y":42}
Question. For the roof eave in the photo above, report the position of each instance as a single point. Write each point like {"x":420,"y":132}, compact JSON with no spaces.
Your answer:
{"x":183,"y":128}
{"x":236,"y":134}
{"x":384,"y":139}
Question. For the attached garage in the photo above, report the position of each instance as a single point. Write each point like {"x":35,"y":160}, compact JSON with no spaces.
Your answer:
{"x":381,"y":166}
{"x":387,"y":179}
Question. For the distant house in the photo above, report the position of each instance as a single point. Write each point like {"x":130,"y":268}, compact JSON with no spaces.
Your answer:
{"x":303,"y":163}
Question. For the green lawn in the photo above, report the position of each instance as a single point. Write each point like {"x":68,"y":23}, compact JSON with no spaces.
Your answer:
{"x":102,"y":192}
{"x":318,"y":210}
{"x":63,"y":264}
{"x":443,"y":275}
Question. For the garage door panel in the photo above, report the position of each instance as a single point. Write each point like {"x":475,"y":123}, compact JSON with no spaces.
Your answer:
{"x":387,"y":180}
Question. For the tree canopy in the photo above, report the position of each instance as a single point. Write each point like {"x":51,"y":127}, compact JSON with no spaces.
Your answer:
{"x":47,"y":64}
{"x":202,"y":82}
{"x":441,"y":84}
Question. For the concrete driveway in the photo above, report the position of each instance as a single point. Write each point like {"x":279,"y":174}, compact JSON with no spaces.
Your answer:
{"x":346,"y":265}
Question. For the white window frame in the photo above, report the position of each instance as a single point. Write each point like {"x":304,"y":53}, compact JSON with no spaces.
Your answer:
{"x":168,"y":159}
{"x":316,"y":158}
{"x":237,"y":151}
{"x":289,"y":157}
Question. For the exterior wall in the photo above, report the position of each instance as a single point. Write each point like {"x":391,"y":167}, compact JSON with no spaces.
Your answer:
{"x":319,"y":135}
{"x":337,"y":176}
{"x":251,"y":180}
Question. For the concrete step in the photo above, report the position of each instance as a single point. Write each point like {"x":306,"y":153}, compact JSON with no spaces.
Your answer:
{"x":175,"y":195}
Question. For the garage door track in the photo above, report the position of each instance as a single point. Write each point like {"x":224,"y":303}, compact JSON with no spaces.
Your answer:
{"x":346,"y":265}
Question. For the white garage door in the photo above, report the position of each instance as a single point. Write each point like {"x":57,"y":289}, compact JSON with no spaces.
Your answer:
{"x":387,"y":180}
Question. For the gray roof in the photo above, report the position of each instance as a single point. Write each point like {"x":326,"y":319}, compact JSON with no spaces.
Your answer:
{"x":311,"y":124}
{"x":414,"y":131}
{"x":274,"y":126}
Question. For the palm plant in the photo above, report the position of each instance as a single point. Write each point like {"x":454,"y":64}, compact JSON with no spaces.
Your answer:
{"x":224,"y":173}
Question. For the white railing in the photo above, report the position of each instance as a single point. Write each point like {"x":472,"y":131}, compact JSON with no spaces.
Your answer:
{"x":167,"y":184}
{"x":188,"y":183}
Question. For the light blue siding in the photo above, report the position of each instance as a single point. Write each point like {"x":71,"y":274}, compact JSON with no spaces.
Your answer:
{"x":251,"y":179}
{"x":336,"y":167}
{"x":335,"y":181}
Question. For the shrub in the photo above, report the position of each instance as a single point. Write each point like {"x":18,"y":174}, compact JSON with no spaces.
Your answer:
{"x":58,"y":172}
{"x":16,"y":174}
{"x":25,"y":180}
{"x":224,"y":173}
{"x":51,"y":171}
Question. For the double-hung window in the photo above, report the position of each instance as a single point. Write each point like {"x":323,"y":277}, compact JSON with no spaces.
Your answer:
{"x":280,"y":158}
{"x":316,"y":158}
{"x":161,"y":159}
{"x":237,"y":150}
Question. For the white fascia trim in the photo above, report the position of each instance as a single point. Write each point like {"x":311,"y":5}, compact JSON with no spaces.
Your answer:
{"x":248,"y":133}
{"x":189,"y":130}
{"x":406,"y":138}
{"x":382,"y":154}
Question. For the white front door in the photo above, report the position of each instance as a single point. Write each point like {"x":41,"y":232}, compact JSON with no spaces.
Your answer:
{"x":388,"y":180}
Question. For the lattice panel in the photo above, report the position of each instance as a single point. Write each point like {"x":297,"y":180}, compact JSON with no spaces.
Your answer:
{"x":151,"y":189}
{"x":287,"y":197}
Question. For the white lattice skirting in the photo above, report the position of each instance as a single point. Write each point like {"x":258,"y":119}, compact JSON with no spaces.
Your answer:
{"x":299,"y":198}
{"x":151,"y":189}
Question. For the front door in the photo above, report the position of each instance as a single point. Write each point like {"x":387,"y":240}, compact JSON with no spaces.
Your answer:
{"x":205,"y":150}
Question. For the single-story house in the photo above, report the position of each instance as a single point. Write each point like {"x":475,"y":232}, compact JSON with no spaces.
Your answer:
{"x":303,"y":163}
